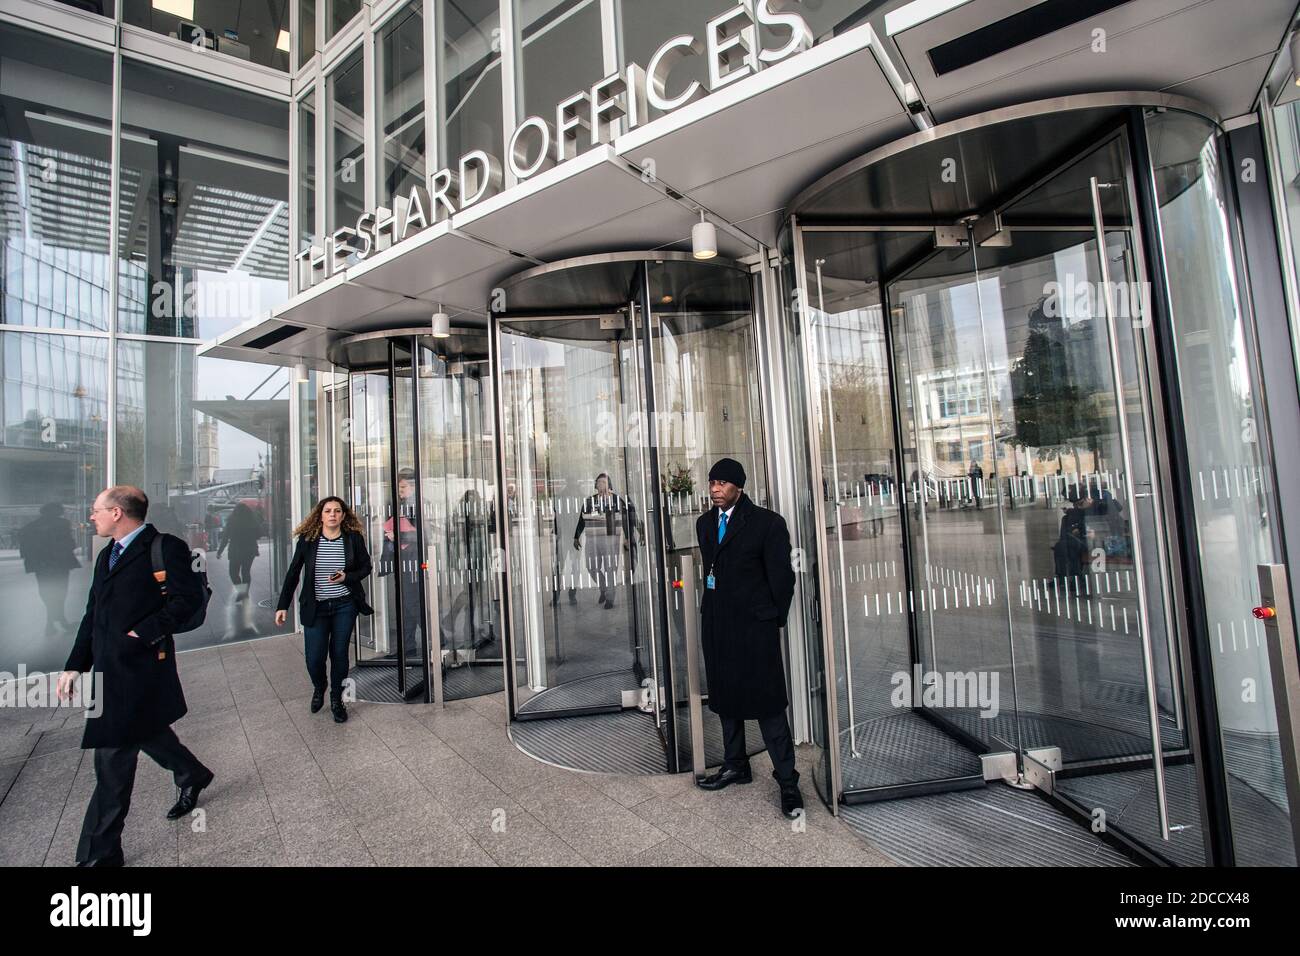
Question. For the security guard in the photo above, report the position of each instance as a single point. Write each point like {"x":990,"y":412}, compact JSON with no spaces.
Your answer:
{"x":748,"y":586}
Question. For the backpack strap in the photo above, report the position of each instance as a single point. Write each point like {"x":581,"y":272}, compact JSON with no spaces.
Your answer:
{"x":156,"y":556}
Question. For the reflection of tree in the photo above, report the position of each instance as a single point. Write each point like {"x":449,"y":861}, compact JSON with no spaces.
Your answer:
{"x":862,"y":424}
{"x":1053,"y":414}
{"x":130,"y":450}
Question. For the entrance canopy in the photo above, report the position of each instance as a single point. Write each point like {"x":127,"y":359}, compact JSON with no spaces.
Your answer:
{"x":645,"y":190}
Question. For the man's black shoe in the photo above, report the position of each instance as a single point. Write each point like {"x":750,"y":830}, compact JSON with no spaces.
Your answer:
{"x":791,"y":801}
{"x":317,"y":699}
{"x":189,"y":798}
{"x":104,"y":861}
{"x":340,"y":712}
{"x":724,"y":778}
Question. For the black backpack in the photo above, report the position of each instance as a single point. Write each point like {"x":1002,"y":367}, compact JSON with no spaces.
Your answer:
{"x":160,"y":575}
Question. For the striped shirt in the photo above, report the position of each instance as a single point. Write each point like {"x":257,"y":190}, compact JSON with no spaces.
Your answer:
{"x":329,"y":559}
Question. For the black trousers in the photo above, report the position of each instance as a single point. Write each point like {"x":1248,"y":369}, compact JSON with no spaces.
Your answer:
{"x":776,"y":737}
{"x":101,"y":831}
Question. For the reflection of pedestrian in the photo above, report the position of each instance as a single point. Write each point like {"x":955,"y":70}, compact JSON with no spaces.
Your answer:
{"x":48,"y":551}
{"x":1072,"y":541}
{"x":976,"y":479}
{"x":211,"y":527}
{"x":239,"y":538}
{"x":400,"y":553}
{"x":167,"y":522}
{"x":606,"y":517}
{"x":467,"y":549}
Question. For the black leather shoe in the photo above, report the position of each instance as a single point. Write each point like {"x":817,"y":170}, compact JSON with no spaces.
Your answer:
{"x":317,"y":699}
{"x":340,"y":712}
{"x":104,"y":861}
{"x":724,"y":778}
{"x":791,"y":801}
{"x":189,"y":798}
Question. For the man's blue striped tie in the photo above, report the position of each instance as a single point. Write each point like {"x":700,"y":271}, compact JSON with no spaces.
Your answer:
{"x":114,"y":554}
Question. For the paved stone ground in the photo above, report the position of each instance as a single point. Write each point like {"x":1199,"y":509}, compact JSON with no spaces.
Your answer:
{"x":396,"y":785}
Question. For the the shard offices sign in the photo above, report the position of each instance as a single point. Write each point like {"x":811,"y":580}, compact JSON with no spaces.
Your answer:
{"x":617,"y":103}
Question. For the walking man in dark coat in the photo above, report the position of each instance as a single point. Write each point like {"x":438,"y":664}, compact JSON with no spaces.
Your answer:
{"x":748,"y":586}
{"x":126,"y":636}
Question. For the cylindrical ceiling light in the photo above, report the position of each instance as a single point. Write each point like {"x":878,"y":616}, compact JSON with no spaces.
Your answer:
{"x":300,"y":373}
{"x":441,"y":323}
{"x":704,"y":239}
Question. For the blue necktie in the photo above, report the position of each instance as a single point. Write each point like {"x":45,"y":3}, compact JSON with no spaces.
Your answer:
{"x":722,"y":526}
{"x":114,"y":554}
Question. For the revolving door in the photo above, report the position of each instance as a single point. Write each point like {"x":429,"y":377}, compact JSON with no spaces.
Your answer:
{"x":413,"y":451}
{"x":1029,"y":393}
{"x":621,"y":378}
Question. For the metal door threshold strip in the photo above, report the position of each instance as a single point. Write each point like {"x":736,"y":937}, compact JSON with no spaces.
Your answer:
{"x":994,"y":826}
{"x":625,"y":742}
{"x":378,"y":683}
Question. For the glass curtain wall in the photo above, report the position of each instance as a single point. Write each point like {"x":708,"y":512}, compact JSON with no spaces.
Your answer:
{"x":306,"y":170}
{"x":560,"y":54}
{"x":256,"y":32}
{"x":469,"y":78}
{"x":55,"y":178}
{"x":306,"y":31}
{"x":345,"y":143}
{"x":201,"y":247}
{"x":399,"y":54}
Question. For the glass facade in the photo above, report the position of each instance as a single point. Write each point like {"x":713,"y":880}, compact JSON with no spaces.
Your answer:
{"x":204,"y":204}
{"x":202,"y":246}
{"x":55,"y":155}
{"x":469,"y":78}
{"x":560,"y":55}
{"x":399,"y":49}
{"x":256,"y":32}
{"x":345,"y":143}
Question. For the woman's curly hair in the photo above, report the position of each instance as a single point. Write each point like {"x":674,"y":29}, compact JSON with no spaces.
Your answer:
{"x":311,"y":525}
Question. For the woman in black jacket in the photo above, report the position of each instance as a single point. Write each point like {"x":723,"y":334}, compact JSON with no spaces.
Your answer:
{"x":332,"y":548}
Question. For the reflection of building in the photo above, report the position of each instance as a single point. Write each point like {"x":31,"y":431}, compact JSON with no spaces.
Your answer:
{"x":207,"y":453}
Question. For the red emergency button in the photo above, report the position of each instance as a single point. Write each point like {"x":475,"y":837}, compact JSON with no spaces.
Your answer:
{"x":1264,"y":613}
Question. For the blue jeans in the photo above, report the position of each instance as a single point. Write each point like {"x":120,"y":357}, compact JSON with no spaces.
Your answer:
{"x":330,"y":635}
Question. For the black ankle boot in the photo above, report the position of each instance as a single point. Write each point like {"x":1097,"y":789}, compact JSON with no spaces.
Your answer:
{"x":317,"y":699}
{"x":340,"y":712}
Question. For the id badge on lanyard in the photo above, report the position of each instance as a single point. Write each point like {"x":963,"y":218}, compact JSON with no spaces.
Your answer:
{"x":710,"y":581}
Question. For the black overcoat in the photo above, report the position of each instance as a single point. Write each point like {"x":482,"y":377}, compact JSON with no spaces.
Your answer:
{"x":741,"y":618}
{"x":141,"y":691}
{"x":356,"y":568}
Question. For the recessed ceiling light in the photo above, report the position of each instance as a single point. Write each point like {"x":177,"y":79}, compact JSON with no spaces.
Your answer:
{"x":180,"y":8}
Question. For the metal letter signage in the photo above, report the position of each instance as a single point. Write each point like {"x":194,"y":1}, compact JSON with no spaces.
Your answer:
{"x":613,"y":105}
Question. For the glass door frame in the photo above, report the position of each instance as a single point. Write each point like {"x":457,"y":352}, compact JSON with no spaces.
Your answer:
{"x":416,"y":342}
{"x":388,"y":367}
{"x":1149,"y":372}
{"x":641,"y":391}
